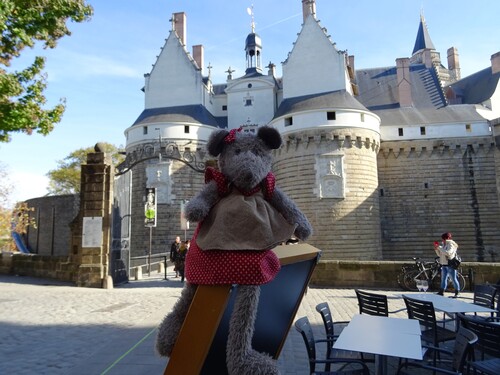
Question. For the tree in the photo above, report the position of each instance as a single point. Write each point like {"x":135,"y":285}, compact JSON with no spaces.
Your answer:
{"x":5,"y":210}
{"x":65,"y":179}
{"x":22,"y":24}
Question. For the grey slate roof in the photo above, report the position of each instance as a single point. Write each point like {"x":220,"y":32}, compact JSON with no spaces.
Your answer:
{"x":325,"y":100}
{"x":423,"y":40}
{"x":476,"y":88}
{"x":378,"y":88}
{"x":423,"y":116}
{"x":187,"y":113}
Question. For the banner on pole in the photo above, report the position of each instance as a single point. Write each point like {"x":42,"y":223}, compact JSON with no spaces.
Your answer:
{"x":150,"y":208}
{"x":184,"y":221}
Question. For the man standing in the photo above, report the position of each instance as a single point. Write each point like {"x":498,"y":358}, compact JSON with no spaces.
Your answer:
{"x":174,"y":253}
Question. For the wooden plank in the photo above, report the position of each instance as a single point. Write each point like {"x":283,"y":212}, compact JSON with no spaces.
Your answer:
{"x":198,"y":330}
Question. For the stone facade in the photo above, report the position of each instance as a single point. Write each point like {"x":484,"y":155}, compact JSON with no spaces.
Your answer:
{"x":345,"y":220}
{"x":427,"y":188}
{"x":53,"y":216}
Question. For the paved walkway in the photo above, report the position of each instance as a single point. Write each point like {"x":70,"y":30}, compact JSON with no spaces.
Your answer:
{"x":49,"y":327}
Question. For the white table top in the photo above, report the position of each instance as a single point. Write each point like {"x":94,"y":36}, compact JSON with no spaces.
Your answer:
{"x":449,"y":305}
{"x":382,"y":335}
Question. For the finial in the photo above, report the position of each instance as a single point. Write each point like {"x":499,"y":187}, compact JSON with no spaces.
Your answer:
{"x":230,"y":72}
{"x":250,"y":13}
{"x":209,"y":67}
{"x":172,"y":21}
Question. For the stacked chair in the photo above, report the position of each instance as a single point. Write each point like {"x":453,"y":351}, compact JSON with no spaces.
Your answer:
{"x":487,"y":354}
{"x":348,"y":366}
{"x":450,"y":362}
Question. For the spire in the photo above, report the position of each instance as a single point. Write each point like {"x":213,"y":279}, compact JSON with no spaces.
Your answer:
{"x":423,"y":40}
{"x":253,"y":47}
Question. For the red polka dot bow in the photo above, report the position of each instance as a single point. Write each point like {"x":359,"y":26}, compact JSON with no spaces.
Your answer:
{"x":232,"y":135}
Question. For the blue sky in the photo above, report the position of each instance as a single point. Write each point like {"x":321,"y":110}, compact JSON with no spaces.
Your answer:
{"x":100,"y":68}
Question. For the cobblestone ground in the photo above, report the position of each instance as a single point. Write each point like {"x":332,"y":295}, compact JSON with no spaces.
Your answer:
{"x":49,"y":327}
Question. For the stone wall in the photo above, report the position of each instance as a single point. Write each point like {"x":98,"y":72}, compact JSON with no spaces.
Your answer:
{"x":182,"y":183}
{"x":328,"y":273}
{"x":428,"y":188}
{"x":42,"y":266}
{"x":53,"y":216}
{"x":373,"y":274}
{"x":346,"y":223}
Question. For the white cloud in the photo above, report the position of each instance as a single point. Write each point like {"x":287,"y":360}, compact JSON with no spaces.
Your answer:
{"x":27,"y":185}
{"x":80,"y":65}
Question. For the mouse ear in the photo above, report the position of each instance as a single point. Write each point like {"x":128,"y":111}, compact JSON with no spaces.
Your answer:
{"x":270,"y":136}
{"x":216,"y":142}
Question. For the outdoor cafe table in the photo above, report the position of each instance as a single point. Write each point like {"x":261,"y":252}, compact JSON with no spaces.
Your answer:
{"x":382,"y":336}
{"x":449,"y":305}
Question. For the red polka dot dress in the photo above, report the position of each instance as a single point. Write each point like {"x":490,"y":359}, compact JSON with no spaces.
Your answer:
{"x":237,"y":237}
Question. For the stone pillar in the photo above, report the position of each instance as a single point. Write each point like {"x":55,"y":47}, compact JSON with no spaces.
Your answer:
{"x":91,"y":245}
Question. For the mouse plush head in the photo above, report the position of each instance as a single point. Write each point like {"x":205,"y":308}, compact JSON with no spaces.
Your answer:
{"x":244,"y":158}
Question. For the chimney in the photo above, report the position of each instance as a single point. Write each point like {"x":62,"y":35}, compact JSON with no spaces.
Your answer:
{"x":199,"y":56}
{"x":454,"y":63}
{"x":351,"y":62}
{"x":404,"y":83}
{"x":427,"y":58}
{"x":495,"y":63}
{"x":308,"y":7}
{"x":179,"y":25}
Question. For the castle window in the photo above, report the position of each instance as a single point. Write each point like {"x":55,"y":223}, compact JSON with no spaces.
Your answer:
{"x":144,"y":130}
{"x":249,"y":86}
{"x":468,"y":128}
{"x":186,"y":129}
{"x":422,"y":130}
{"x":362,"y":117}
{"x":330,"y":115}
{"x":224,"y":107}
{"x":400,"y":132}
{"x":248,"y":102}
{"x":381,"y":192}
{"x":426,"y":185}
{"x":288,"y":121}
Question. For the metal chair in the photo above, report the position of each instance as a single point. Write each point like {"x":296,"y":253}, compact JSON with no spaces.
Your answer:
{"x":484,"y":295}
{"x":330,"y":326}
{"x":462,"y":352}
{"x":432,"y":333}
{"x":488,"y":346}
{"x":303,"y":326}
{"x":373,"y":303}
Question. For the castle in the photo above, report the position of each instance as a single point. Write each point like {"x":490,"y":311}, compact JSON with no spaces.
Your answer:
{"x":381,"y":160}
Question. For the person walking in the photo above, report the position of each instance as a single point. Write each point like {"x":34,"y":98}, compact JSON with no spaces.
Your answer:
{"x":174,"y":252}
{"x":181,"y":259}
{"x":445,"y":251}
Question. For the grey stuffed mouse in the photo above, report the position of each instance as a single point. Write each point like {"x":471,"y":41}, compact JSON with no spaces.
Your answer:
{"x":242,"y":216}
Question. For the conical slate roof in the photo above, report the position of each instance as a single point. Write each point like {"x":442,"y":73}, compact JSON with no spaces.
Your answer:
{"x":423,"y":40}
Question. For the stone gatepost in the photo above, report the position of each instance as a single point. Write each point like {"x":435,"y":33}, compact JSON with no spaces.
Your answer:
{"x":91,"y":228}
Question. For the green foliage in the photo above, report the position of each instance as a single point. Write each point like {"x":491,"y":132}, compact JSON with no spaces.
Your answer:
{"x":22,"y":24}
{"x":66,"y":178}
{"x":5,"y":210}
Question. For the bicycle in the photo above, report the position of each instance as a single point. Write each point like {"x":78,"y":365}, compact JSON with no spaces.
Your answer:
{"x":424,"y":270}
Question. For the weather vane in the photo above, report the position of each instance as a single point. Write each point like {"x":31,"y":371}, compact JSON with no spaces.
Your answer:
{"x":250,"y":13}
